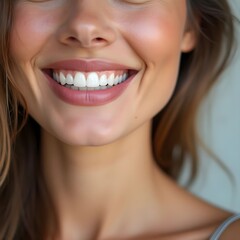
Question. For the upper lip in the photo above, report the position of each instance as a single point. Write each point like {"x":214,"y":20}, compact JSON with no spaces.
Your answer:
{"x":87,"y":65}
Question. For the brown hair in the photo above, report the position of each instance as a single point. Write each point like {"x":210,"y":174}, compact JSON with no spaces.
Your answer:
{"x":22,"y":194}
{"x":174,"y":133}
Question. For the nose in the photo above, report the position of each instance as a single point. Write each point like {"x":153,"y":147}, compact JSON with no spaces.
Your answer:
{"x":86,"y":25}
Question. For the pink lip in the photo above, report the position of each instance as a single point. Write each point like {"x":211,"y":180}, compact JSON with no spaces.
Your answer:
{"x":87,"y":97}
{"x":86,"y":66}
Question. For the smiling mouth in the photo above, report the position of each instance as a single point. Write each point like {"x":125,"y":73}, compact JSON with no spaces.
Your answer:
{"x":94,"y":80}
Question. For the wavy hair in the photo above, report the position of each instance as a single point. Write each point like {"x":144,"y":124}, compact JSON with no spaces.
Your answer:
{"x":23,"y":196}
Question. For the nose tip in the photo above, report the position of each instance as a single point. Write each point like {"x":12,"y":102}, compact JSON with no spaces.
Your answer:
{"x":87,"y":28}
{"x":89,"y":37}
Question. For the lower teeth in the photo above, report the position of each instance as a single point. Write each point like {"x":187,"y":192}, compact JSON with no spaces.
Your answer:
{"x":85,"y":88}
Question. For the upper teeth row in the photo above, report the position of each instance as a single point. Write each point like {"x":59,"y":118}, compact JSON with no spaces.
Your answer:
{"x":92,"y":79}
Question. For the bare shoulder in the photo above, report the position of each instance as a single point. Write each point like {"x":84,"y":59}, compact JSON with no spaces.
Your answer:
{"x":232,"y":231}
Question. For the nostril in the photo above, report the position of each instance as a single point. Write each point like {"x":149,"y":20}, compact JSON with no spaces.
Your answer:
{"x":98,"y":39}
{"x":72,"y":39}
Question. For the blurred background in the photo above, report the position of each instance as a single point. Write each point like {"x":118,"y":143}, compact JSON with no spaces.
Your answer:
{"x":219,"y":127}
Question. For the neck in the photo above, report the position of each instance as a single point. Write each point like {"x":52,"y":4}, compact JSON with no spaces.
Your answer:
{"x":94,"y":186}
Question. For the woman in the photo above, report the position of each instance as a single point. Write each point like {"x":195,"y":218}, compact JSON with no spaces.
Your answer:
{"x":111,"y":89}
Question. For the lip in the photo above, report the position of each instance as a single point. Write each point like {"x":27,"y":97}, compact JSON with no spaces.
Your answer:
{"x":87,"y":65}
{"x":87,"y":97}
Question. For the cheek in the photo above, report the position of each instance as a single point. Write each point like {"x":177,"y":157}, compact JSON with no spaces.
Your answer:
{"x":155,"y":36}
{"x":30,"y":31}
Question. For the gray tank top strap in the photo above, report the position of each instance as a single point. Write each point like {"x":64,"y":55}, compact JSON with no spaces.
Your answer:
{"x":224,"y":226}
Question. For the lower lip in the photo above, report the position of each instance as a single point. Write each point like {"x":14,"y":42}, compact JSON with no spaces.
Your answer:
{"x":88,"y":97}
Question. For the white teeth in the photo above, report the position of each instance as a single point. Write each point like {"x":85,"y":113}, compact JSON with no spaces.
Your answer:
{"x":124,"y":76}
{"x":74,"y":88}
{"x":111,"y":79}
{"x":62,"y":79}
{"x":82,"y":88}
{"x":69,"y":79}
{"x":93,"y":81}
{"x":116,"y":80}
{"x":103,"y":80}
{"x":80,"y":80}
{"x":120,"y":78}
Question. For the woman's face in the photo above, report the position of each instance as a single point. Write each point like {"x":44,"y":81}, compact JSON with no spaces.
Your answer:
{"x":116,"y":62}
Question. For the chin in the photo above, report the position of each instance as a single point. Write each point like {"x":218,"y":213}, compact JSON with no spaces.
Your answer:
{"x":87,"y":137}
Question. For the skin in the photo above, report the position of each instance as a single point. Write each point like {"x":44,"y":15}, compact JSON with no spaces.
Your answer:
{"x":97,"y":161}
